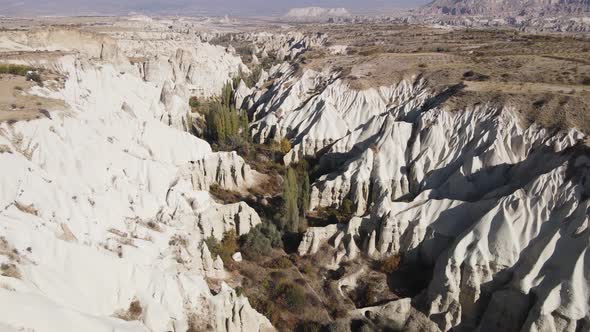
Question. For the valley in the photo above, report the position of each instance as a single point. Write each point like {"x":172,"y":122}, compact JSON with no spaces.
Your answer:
{"x":208,"y":174}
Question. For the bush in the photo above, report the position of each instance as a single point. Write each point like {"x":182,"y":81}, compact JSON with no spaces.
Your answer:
{"x":267,"y":308}
{"x":224,"y":249}
{"x":194,"y":102}
{"x":214,"y":246}
{"x":255,"y":245}
{"x":292,"y":295}
{"x":260,"y":241}
{"x":132,"y":313}
{"x":285,"y":146}
{"x":19,"y":70}
{"x":390,"y":264}
{"x":306,"y":268}
{"x":309,"y":326}
{"x":271,"y":232}
{"x":282,"y":262}
{"x":347,"y":207}
{"x":251,"y":79}
{"x":34,"y":76}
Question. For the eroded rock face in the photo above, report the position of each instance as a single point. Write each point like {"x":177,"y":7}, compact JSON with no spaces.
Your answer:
{"x":103,"y":205}
{"x":506,"y":7}
{"x":317,"y":109}
{"x":182,"y":66}
{"x":493,"y":205}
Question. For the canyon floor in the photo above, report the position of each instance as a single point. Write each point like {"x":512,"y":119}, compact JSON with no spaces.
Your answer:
{"x":214,"y":174}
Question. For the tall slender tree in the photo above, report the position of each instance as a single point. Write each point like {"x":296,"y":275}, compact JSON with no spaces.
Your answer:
{"x":304,"y":194}
{"x":290,"y":198}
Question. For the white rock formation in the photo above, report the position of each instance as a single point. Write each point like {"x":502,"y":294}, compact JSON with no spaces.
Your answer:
{"x":498,"y":208}
{"x":317,"y":109}
{"x":102,"y":204}
{"x":398,"y":315}
{"x":317,"y":12}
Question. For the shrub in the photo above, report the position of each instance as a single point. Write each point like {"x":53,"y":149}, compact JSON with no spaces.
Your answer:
{"x":271,"y":232}
{"x":280,"y":263}
{"x":227,"y":196}
{"x":255,"y":244}
{"x":225,"y":248}
{"x":390,"y":264}
{"x":10,"y":270}
{"x":229,"y":245}
{"x":251,"y":79}
{"x":34,"y":76}
{"x":214,"y":246}
{"x":306,"y":268}
{"x":260,"y":241}
{"x":19,"y":70}
{"x":278,"y":276}
{"x":309,"y":326}
{"x":194,"y":102}
{"x":267,"y":308}
{"x":347,"y":207}
{"x":285,"y":146}
{"x":292,"y":295}
{"x":132,"y":313}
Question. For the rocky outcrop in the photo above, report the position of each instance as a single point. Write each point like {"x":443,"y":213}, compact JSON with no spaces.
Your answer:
{"x":488,"y":202}
{"x":226,"y":169}
{"x":506,"y":7}
{"x":190,"y":68}
{"x":398,"y":315}
{"x":103,"y":205}
{"x":478,"y":205}
{"x":318,"y":109}
{"x":315,"y":13}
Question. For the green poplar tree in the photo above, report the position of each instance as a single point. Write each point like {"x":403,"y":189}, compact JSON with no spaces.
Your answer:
{"x":290,"y":198}
{"x":304,"y":194}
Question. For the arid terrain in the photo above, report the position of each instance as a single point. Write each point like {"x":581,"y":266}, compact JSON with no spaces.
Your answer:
{"x":255,"y":174}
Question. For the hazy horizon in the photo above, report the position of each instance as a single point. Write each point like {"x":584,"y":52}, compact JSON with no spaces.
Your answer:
{"x":195,"y":7}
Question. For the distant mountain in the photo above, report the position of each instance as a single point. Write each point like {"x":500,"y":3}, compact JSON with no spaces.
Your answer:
{"x":317,"y":12}
{"x":506,"y":7}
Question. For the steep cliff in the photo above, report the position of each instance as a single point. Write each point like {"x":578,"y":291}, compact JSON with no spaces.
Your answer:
{"x":103,"y":209}
{"x":497,"y":207}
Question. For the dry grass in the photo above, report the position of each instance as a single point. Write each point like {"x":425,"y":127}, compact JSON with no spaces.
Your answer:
{"x":5,"y":149}
{"x":494,"y":66}
{"x":10,"y":270}
{"x":134,"y":312}
{"x":16,"y":105}
{"x":276,"y":287}
{"x":8,"y":250}
{"x":225,"y":196}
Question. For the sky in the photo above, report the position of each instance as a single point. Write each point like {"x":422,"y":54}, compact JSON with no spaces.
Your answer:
{"x":193,"y":7}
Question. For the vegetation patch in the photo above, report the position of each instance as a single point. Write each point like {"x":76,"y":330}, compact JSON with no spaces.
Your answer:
{"x":224,"y":249}
{"x":260,"y":241}
{"x":132,"y":313}
{"x":30,"y":73}
{"x":10,"y":270}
